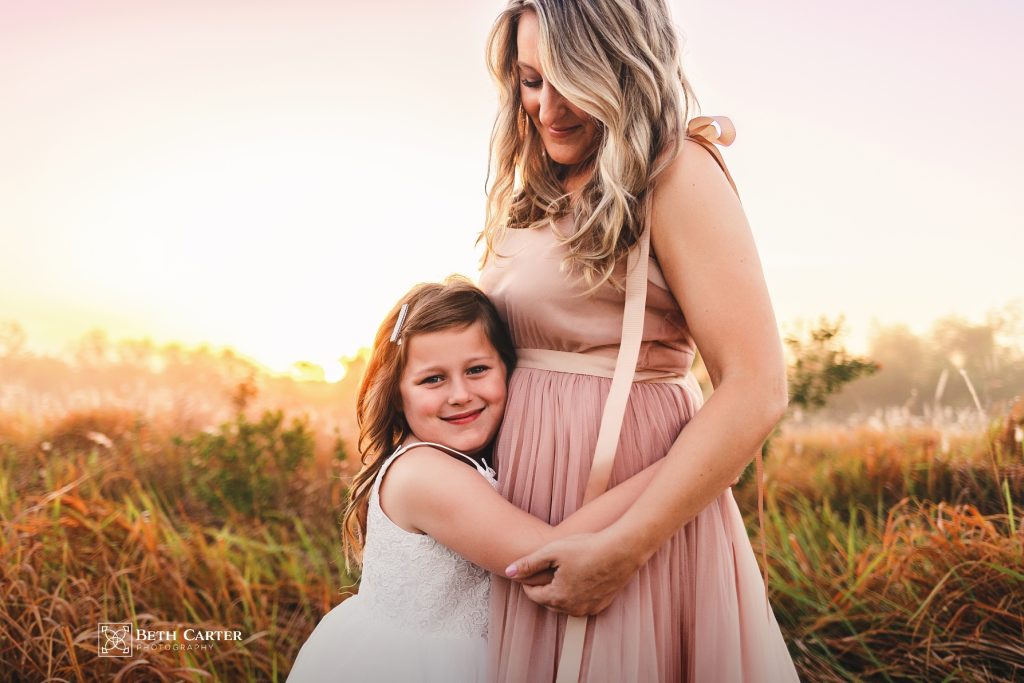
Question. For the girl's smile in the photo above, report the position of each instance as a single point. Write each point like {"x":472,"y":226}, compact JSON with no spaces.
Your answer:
{"x":464,"y":418}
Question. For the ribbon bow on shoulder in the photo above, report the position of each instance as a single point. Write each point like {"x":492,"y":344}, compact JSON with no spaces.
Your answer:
{"x":718,"y":130}
{"x":708,"y":131}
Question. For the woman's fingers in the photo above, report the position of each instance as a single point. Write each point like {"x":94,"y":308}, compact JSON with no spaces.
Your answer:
{"x":587,"y":574}
{"x":555,"y":599}
{"x":536,"y":562}
{"x":542,"y":595}
{"x":541,"y":578}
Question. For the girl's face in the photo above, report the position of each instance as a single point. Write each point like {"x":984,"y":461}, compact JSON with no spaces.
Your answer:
{"x":453,"y":388}
{"x":569,"y":134}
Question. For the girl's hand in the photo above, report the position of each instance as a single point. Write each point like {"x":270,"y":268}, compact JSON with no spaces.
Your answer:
{"x":589,"y":571}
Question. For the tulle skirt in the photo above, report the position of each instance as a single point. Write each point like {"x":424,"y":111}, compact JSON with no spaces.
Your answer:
{"x":696,"y":611}
{"x":353,"y":642}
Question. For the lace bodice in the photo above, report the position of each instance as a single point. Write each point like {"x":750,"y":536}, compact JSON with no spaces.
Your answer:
{"x":417,"y":581}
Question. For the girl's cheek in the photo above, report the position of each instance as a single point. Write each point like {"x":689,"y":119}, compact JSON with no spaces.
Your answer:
{"x":414,"y":402}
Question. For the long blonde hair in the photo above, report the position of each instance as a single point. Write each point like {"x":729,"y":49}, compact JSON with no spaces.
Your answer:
{"x":452,"y":304}
{"x":618,"y":61}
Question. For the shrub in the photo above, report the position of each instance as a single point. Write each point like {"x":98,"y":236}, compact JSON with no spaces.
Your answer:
{"x":249,"y":467}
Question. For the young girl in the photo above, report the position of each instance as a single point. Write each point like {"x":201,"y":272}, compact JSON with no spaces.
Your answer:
{"x":425,"y":501}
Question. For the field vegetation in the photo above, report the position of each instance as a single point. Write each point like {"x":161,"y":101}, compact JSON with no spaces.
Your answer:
{"x":180,"y":489}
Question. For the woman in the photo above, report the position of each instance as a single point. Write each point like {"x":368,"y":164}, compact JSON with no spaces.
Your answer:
{"x":591,"y":162}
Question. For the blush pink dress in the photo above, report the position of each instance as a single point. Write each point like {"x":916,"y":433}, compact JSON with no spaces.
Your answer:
{"x":697,"y":610}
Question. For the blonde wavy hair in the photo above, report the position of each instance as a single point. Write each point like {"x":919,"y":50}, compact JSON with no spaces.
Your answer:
{"x":618,"y":61}
{"x":454,"y":303}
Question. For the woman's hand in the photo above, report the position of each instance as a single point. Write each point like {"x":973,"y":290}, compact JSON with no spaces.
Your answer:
{"x":589,"y":571}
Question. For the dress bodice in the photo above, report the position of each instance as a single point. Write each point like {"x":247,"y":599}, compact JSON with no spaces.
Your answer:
{"x":414,"y":579}
{"x":546,"y":307}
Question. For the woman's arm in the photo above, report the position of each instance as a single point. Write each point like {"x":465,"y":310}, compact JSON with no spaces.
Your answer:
{"x":707,"y":253}
{"x":430,"y":491}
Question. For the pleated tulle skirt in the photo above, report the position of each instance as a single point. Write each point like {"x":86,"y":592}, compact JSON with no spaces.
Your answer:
{"x":695,"y":612}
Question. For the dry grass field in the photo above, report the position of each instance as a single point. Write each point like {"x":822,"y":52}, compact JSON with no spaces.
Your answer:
{"x":894,"y":554}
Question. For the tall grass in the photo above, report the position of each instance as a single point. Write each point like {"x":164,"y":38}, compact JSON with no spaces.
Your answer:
{"x":894,"y":555}
{"x":897,"y":556}
{"x":94,"y":533}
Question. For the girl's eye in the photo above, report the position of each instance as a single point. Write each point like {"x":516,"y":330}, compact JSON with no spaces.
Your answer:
{"x":531,"y":84}
{"x":433,"y":379}
{"x":477,"y":369}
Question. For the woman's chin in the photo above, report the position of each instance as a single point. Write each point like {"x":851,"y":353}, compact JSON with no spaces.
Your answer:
{"x":566,"y":157}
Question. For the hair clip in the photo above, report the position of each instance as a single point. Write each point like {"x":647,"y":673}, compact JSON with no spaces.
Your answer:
{"x":398,"y":323}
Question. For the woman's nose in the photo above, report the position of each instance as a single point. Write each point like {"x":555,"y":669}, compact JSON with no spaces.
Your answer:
{"x":552,"y":105}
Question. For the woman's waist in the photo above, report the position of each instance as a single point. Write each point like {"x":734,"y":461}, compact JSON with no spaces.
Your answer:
{"x":598,"y":364}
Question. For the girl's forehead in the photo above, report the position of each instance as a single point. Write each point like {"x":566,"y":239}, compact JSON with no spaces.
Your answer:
{"x":446,"y":347}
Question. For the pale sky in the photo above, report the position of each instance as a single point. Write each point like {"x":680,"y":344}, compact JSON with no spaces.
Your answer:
{"x":271,"y":176}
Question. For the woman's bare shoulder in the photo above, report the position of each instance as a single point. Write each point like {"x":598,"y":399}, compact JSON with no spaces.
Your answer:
{"x":690,"y":190}
{"x":693,"y":166}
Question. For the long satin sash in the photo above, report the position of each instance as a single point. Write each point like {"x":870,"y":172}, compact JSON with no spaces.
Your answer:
{"x":707,"y":131}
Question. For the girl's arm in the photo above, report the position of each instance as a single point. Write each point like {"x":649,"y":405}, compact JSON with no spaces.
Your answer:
{"x":426,"y":490}
{"x":710,"y":262}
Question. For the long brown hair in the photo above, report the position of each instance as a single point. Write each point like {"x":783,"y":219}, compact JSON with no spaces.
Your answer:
{"x":618,"y":61}
{"x":454,"y":303}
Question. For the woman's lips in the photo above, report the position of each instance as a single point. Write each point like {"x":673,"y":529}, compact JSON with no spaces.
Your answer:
{"x":562,"y":132}
{"x":463,"y":418}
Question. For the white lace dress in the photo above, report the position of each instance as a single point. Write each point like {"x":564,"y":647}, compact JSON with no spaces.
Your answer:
{"x":420,"y":615}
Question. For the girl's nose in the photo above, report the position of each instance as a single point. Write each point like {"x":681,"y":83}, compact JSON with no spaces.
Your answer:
{"x":552,"y":105}
{"x":459,"y":392}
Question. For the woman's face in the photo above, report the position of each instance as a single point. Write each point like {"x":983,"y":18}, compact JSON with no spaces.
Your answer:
{"x":569,"y":135}
{"x":453,"y":388}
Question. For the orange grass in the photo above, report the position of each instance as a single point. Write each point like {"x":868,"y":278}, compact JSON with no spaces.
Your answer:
{"x":896,"y":556}
{"x":92,"y":534}
{"x":893,"y":555}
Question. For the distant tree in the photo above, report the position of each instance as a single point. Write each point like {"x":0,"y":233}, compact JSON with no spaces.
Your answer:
{"x":306,"y":371}
{"x":909,"y":369}
{"x":931,"y":369}
{"x":243,"y":394}
{"x":821,"y":366}
{"x":93,"y":349}
{"x":12,"y":339}
{"x":1008,"y":323}
{"x":137,"y":354}
{"x":995,"y":370}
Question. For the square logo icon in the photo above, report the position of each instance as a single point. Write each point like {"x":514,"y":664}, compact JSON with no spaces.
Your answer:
{"x":114,"y":640}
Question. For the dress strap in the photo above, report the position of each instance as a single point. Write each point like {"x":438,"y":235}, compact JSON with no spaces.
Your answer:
{"x":482,"y":469}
